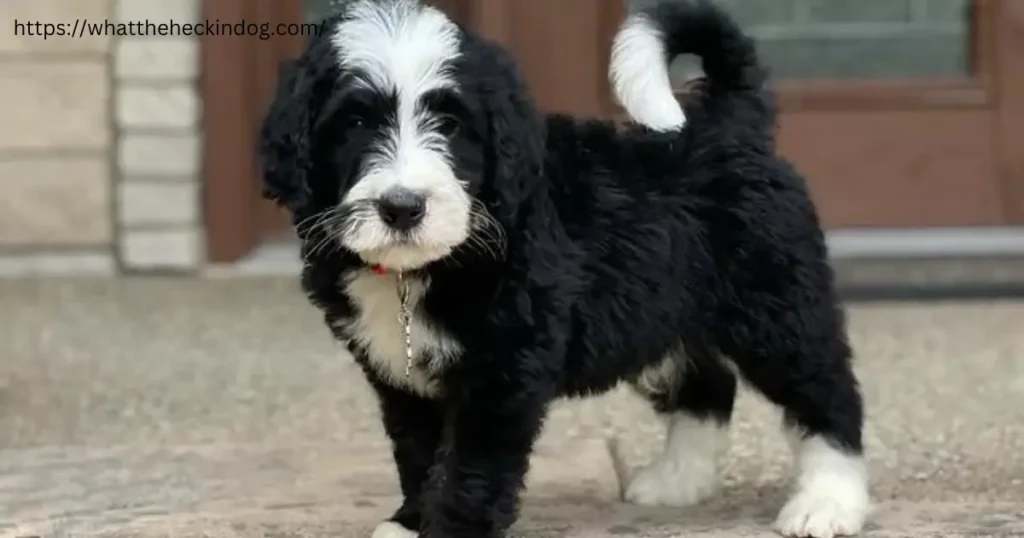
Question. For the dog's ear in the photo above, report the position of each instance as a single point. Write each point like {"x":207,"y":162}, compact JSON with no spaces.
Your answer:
{"x":517,"y":134}
{"x":285,"y":137}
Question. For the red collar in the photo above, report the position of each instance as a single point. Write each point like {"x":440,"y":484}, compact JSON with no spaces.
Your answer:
{"x":380,"y":270}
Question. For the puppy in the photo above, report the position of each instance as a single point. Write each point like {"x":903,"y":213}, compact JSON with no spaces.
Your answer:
{"x":481,"y":259}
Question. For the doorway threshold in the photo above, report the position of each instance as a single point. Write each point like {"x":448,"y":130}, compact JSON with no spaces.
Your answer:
{"x":904,"y":243}
{"x":933,"y":263}
{"x":272,"y":258}
{"x":929,"y":263}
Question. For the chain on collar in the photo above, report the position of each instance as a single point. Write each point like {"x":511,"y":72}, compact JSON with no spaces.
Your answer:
{"x":405,"y":318}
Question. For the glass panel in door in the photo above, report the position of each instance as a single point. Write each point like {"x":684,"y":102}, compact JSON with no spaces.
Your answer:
{"x":853,"y":39}
{"x":316,"y":10}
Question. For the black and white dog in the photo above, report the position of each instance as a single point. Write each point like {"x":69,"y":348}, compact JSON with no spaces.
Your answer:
{"x":482,"y":259}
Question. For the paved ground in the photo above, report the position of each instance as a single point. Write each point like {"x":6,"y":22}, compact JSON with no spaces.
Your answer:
{"x":221,"y":408}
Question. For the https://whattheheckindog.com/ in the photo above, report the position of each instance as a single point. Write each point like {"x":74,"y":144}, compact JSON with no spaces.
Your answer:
{"x":84,"y":28}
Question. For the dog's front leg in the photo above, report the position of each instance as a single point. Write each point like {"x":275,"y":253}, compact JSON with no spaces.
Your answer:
{"x":489,"y":435}
{"x":413,"y":424}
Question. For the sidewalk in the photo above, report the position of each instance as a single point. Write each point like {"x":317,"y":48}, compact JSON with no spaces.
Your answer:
{"x":221,"y":408}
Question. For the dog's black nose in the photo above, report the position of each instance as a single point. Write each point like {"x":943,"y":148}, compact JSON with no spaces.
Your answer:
{"x":402,"y":209}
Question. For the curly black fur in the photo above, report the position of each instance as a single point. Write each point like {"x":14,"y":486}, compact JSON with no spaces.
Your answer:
{"x":621,"y":244}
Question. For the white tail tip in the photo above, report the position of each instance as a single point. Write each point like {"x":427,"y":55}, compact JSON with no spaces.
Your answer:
{"x":639,"y":76}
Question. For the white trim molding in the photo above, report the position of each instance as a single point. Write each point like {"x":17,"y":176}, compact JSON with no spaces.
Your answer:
{"x":916,"y":243}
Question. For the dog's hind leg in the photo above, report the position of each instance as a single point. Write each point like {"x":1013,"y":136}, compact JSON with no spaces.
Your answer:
{"x":793,"y":349}
{"x":695,"y":392}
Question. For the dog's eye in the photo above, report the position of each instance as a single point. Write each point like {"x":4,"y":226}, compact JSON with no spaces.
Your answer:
{"x":355,"y":119}
{"x":448,"y":125}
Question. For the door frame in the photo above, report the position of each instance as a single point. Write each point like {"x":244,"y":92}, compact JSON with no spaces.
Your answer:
{"x":228,"y":167}
{"x":1009,"y":56}
{"x":236,"y":76}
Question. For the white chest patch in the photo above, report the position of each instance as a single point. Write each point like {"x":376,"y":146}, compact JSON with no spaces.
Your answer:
{"x":378,"y":328}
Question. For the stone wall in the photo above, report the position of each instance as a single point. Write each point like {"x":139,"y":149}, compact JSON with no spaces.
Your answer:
{"x":100,"y":144}
{"x":56,"y":140}
{"x":158,"y":109}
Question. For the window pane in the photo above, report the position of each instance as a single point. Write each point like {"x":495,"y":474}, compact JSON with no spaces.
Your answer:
{"x":318,"y":9}
{"x":859,"y":39}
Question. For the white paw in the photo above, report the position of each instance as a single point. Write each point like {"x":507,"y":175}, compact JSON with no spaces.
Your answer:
{"x":390,"y":529}
{"x":832,"y":495}
{"x":824,"y":512}
{"x":672,"y":484}
{"x":686,"y":472}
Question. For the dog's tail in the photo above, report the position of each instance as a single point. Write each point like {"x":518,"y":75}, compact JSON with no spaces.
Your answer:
{"x":650,"y":39}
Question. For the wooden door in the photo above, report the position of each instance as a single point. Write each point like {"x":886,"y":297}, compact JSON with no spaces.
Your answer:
{"x":902,"y":113}
{"x":899,"y":111}
{"x":238,"y":76}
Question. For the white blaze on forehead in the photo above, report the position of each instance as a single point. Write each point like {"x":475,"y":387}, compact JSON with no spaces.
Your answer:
{"x":399,"y":45}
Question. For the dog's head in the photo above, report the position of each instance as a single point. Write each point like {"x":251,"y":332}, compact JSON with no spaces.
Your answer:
{"x":400,"y":136}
